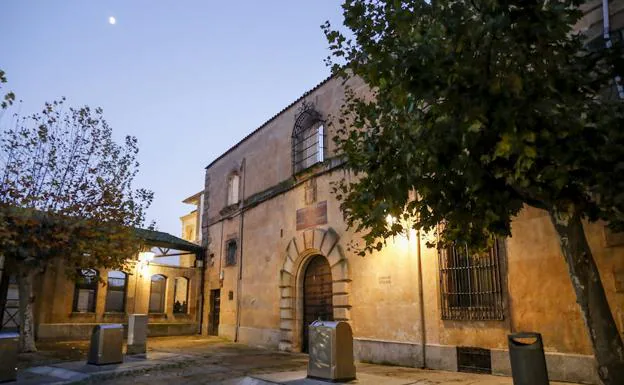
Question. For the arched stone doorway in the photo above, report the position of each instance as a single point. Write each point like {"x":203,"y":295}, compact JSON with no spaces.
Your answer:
{"x":299,"y":254}
{"x":317,"y":295}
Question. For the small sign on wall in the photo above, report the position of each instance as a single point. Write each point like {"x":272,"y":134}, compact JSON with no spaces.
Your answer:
{"x":385,"y":280}
{"x":312,"y":216}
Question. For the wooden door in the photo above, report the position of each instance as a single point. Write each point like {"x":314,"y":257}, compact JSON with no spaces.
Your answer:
{"x":215,"y":308}
{"x":317,"y":295}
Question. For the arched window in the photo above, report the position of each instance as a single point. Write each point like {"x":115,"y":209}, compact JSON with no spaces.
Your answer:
{"x":232,"y":190}
{"x":180,"y":295}
{"x":308,"y":140}
{"x":85,"y":291}
{"x":116,"y":292}
{"x":158,"y":290}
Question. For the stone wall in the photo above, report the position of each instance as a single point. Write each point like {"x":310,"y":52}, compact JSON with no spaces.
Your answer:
{"x":55,"y":294}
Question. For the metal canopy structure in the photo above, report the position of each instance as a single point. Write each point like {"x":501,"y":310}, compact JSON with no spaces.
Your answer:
{"x":165,"y":241}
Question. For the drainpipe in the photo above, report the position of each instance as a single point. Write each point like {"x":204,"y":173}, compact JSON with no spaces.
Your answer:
{"x":421,"y":299}
{"x":239,"y":287}
{"x":608,"y":43}
{"x":202,"y":294}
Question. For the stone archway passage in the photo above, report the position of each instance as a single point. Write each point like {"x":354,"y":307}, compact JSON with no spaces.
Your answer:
{"x":299,"y":251}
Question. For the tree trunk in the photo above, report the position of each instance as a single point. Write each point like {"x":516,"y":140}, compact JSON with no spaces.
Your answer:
{"x":590,"y":295}
{"x":25,"y":278}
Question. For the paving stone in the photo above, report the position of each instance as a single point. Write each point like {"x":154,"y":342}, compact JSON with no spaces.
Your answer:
{"x":300,"y":378}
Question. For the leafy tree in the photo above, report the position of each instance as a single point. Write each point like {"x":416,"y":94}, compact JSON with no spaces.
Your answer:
{"x":480,"y":108}
{"x":9,"y":97}
{"x":65,"y":193}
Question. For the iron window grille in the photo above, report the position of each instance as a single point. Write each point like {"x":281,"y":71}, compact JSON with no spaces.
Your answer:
{"x":474,"y":360}
{"x":470,"y":284}
{"x":230,"y":256}
{"x":308,"y":140}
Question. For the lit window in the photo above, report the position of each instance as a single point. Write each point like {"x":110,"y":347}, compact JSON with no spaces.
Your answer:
{"x":116,"y":292}
{"x":180,"y":295}
{"x":230,"y":256}
{"x":233,"y":182}
{"x":157,"y":293}
{"x":85,"y":291}
{"x":308,"y":140}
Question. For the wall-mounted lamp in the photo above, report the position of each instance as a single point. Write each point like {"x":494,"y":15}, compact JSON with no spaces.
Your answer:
{"x":144,"y":259}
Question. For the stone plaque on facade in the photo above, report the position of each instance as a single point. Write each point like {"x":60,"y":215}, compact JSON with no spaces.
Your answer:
{"x":312,"y":216}
{"x":310,"y":191}
{"x":385,"y":280}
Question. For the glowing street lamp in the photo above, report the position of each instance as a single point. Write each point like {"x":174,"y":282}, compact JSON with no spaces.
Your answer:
{"x":144,"y":259}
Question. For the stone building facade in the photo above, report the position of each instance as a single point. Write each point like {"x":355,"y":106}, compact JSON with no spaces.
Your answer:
{"x":68,"y":310}
{"x":278,"y":256}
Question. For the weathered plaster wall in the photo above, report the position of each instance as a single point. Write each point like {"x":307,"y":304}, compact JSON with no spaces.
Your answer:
{"x":379,"y":293}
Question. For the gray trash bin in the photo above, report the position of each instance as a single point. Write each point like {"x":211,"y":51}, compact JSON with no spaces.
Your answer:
{"x":331,"y":351}
{"x":106,"y":345}
{"x":9,"y":347}
{"x":528,"y":363}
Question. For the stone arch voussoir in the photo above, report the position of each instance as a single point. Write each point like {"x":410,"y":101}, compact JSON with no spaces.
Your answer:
{"x":298,"y":252}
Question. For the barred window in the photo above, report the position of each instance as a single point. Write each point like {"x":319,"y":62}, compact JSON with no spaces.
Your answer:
{"x":308,"y":140}
{"x":230,"y":256}
{"x":85,"y":291}
{"x":116,"y":292}
{"x":470,"y":284}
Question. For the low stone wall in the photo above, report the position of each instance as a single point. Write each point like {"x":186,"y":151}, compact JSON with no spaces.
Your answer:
{"x":387,"y":352}
{"x":561,"y":367}
{"x":269,"y":338}
{"x":82,"y":331}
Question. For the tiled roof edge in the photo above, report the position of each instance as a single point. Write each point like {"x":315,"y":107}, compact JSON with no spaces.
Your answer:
{"x":272,"y":118}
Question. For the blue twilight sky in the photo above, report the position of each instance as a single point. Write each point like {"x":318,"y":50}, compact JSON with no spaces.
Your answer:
{"x":188,"y":78}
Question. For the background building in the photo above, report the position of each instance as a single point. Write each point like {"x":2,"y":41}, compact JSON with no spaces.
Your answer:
{"x":68,"y":310}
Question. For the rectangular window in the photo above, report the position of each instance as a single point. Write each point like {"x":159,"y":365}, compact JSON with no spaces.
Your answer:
{"x":158,"y":289}
{"x":230,"y":256}
{"x":116,"y":292}
{"x":85,"y":291}
{"x":180,"y":295}
{"x":470,"y":285}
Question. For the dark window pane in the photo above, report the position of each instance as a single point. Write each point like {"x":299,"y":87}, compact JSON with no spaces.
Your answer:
{"x":230,"y":258}
{"x":85,"y":291}
{"x":116,"y":292}
{"x":157,"y":294}
{"x":180,"y":295}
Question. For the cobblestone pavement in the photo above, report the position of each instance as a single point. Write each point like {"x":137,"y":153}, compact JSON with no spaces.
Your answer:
{"x":199,"y":360}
